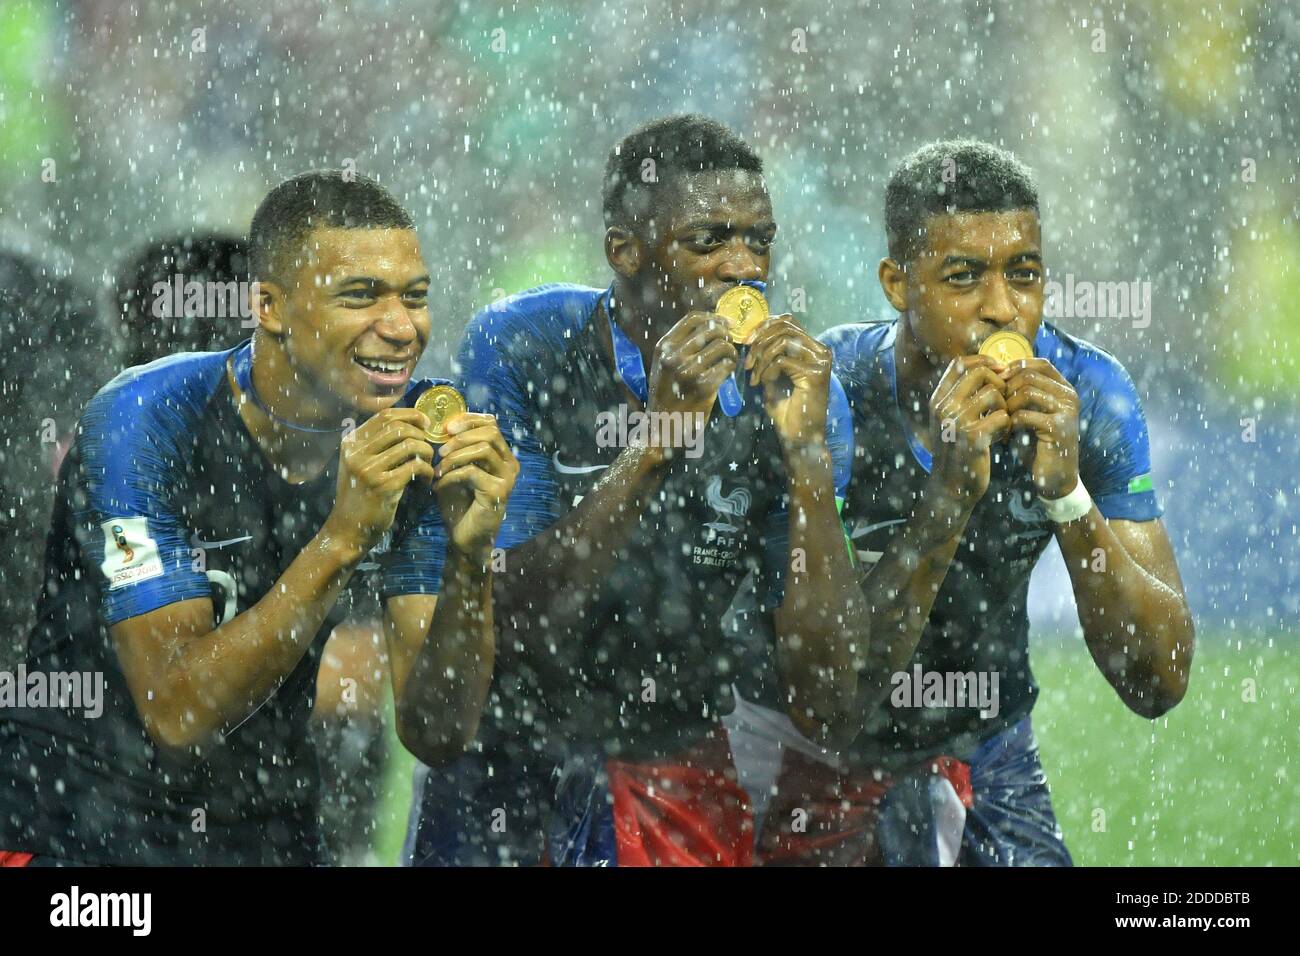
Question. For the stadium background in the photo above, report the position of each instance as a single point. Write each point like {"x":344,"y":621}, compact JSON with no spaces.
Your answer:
{"x":1164,"y":140}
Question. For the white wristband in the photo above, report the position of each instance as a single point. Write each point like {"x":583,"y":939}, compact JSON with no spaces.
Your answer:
{"x":1070,"y":508}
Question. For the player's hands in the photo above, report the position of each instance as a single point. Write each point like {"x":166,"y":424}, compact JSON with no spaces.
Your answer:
{"x":968,"y":413}
{"x":1043,"y":404}
{"x":691,"y":361}
{"x":473,"y":477}
{"x":376,"y":463}
{"x":794,"y":370}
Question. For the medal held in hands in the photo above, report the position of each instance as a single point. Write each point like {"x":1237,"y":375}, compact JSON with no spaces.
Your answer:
{"x":440,"y":403}
{"x":1007,"y":347}
{"x":745,"y":310}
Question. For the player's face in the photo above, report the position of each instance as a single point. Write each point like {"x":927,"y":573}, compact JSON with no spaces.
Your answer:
{"x":357,"y":316}
{"x":718,"y":231}
{"x":978,"y":273}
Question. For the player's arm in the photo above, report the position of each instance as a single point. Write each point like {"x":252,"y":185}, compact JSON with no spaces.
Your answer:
{"x":1134,"y":613}
{"x":442,"y":646}
{"x":191,"y":681}
{"x":967,"y":415}
{"x":821,"y":627}
{"x":553,"y":578}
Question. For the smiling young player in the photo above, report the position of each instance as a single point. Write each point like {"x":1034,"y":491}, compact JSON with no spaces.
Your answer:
{"x":613,"y":653}
{"x":210,"y":521}
{"x":964,"y":471}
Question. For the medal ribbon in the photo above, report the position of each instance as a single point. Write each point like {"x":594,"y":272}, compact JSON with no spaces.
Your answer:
{"x":242,"y":366}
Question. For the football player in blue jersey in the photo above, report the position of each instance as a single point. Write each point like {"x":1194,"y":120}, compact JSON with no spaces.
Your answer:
{"x":965,"y":469}
{"x":627,"y":550}
{"x":211,"y":519}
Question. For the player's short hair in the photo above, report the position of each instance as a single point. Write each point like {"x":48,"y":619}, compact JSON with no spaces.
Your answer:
{"x":644,"y":164}
{"x":949,"y":177}
{"x":321,"y":199}
{"x":197,"y":257}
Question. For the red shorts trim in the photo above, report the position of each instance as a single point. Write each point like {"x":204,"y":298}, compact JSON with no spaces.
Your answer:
{"x":822,"y":816}
{"x":688,"y":810}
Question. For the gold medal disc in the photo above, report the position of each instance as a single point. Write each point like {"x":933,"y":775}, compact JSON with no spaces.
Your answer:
{"x":1007,"y":347}
{"x":745,"y":310}
{"x":440,"y":403}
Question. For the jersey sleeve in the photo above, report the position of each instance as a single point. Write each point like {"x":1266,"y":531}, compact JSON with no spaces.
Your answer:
{"x":414,"y":562}
{"x":493,"y":363}
{"x":1114,"y":447}
{"x":132,"y":445}
{"x":776,"y":531}
{"x":419,"y":547}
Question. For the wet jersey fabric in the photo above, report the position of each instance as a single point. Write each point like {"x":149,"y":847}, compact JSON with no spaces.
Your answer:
{"x":164,"y":498}
{"x":993,"y":809}
{"x":489,"y":807}
{"x":880,"y":793}
{"x":654,"y":666}
{"x":979,"y":625}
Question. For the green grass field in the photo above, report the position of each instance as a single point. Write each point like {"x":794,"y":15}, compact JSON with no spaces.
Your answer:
{"x":1212,"y":783}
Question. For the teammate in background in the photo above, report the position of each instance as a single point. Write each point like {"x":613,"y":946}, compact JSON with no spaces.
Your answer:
{"x":51,"y":363}
{"x":611,"y":612}
{"x":210,"y":520}
{"x":965,"y":469}
{"x":156,"y":316}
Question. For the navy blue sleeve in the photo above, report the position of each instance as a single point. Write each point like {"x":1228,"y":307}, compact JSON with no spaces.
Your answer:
{"x":415,"y":565}
{"x":1114,"y":448}
{"x":493,"y":364}
{"x":776,"y":533}
{"x":133,"y":442}
{"x":854,"y":348}
{"x":419,"y":545}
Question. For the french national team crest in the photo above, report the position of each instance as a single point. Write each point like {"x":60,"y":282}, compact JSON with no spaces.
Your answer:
{"x":734,"y":505}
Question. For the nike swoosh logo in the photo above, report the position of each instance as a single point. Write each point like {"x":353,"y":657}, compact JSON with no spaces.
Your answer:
{"x":859,"y":532}
{"x":574,"y":469}
{"x":197,"y":542}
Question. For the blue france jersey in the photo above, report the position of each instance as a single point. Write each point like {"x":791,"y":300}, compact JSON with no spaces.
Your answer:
{"x":534,"y":361}
{"x":979,"y":621}
{"x":537,"y":362}
{"x":165,"y":498}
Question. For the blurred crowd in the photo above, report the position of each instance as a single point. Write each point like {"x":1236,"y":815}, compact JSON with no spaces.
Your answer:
{"x":1161,"y":134}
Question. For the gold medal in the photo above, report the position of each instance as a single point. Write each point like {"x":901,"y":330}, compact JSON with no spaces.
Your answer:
{"x":745,"y":310}
{"x":440,"y":403}
{"x":1007,"y":347}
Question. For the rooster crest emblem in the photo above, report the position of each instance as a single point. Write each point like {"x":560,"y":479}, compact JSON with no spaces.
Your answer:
{"x":734,"y":505}
{"x":1031,"y":513}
